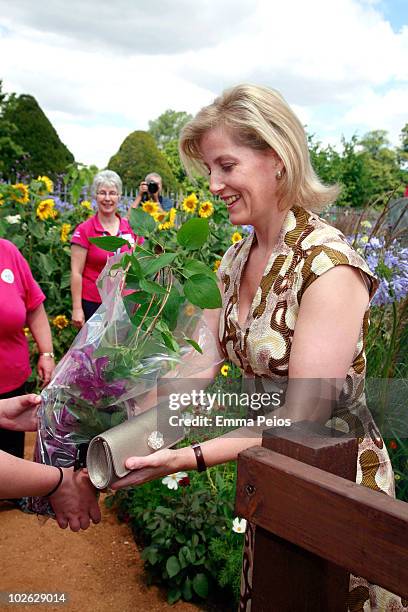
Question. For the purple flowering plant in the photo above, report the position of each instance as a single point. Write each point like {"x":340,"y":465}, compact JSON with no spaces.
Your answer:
{"x":385,"y":252}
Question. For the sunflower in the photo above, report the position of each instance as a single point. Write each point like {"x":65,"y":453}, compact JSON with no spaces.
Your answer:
{"x":206,"y":209}
{"x":225,"y":369}
{"x":190,"y":203}
{"x":217,"y":264}
{"x":60,"y":321}
{"x":20,"y":194}
{"x":150,"y":207}
{"x":46,"y":210}
{"x":48,"y":184}
{"x":236,"y":237}
{"x":159,"y":217}
{"x":86,"y":204}
{"x":170,"y":220}
{"x":65,"y":229}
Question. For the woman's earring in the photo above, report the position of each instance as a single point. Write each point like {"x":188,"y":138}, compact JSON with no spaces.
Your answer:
{"x":278,"y":175}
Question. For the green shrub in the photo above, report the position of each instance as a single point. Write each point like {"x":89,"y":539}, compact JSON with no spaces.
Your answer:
{"x":45,"y":153}
{"x":137,"y":156}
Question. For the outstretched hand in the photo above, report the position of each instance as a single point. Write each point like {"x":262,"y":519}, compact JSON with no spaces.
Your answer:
{"x":75,"y":502}
{"x":20,"y":413}
{"x":156,"y":465}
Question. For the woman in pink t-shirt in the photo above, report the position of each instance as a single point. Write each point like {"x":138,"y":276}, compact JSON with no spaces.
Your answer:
{"x":21,"y":304}
{"x":88,"y":260}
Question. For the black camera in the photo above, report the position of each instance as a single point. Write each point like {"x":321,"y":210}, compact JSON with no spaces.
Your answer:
{"x":152,"y":187}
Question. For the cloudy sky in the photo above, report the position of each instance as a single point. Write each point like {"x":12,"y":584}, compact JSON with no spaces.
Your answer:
{"x":101,"y":69}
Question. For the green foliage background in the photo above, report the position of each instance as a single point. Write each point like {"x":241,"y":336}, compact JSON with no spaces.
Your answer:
{"x":44,"y":153}
{"x":137,"y":156}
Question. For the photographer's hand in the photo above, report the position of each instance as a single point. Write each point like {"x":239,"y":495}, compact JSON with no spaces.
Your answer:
{"x":142,"y":190}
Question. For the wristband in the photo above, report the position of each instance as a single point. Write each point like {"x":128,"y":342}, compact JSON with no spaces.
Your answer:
{"x":47,"y":354}
{"x":57,"y":486}
{"x":201,"y":465}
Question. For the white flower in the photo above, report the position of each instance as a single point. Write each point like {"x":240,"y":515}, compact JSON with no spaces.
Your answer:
{"x":13,"y":219}
{"x":172,"y":480}
{"x":239,"y":525}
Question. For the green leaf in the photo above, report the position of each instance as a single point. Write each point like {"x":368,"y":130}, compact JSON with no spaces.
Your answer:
{"x":47,"y":263}
{"x":187,"y":590}
{"x":172,"y":566}
{"x":173,"y":595}
{"x":193,"y":234}
{"x":194,"y":344}
{"x":200,"y":585}
{"x":109,"y":243}
{"x":141,"y":222}
{"x":170,"y":342}
{"x":202,"y":291}
{"x":195,"y":266}
{"x":117,"y":418}
{"x":135,"y":268}
{"x":152,"y":287}
{"x":150,"y":554}
{"x":156,"y":264}
{"x":66,"y":279}
{"x":171,"y":309}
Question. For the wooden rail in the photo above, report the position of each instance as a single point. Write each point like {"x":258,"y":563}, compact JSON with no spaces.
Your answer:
{"x":315,"y":525}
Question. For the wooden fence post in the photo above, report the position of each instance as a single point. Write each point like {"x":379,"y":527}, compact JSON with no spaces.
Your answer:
{"x":287,"y":578}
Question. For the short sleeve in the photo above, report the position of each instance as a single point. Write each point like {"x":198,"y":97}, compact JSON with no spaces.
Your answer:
{"x":324,"y":257}
{"x":33,"y":295}
{"x":80,"y":236}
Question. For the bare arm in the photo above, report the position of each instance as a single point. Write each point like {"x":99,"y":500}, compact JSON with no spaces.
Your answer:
{"x":139,"y":197}
{"x":74,"y":502}
{"x":38,"y":323}
{"x":324,"y":341}
{"x":78,"y":259}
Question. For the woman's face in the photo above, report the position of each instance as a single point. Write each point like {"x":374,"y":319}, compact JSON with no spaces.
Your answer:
{"x":107,"y":199}
{"x":244,"y":178}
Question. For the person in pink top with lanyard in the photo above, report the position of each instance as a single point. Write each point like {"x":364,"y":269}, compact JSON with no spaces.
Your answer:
{"x":88,"y":260}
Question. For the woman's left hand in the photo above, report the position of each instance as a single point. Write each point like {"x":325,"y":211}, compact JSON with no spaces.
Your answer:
{"x":45,"y":369}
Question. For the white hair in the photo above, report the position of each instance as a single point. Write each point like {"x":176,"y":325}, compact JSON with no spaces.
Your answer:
{"x":108,"y":178}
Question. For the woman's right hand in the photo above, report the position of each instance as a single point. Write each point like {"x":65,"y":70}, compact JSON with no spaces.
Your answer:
{"x":78,"y":317}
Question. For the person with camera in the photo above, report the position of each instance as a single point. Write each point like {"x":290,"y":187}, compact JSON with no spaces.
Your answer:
{"x":151,"y":189}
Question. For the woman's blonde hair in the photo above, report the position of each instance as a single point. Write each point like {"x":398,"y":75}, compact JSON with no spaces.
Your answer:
{"x":260,"y":118}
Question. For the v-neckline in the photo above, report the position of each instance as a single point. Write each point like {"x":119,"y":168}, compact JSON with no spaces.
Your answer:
{"x":244,"y":259}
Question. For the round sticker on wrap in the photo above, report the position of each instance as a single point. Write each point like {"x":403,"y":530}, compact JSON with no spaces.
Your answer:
{"x":7,"y":276}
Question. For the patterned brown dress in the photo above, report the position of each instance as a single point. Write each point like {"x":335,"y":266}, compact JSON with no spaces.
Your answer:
{"x":306,"y":248}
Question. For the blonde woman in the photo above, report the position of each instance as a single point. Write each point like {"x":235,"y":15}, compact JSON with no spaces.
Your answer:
{"x":295,"y":294}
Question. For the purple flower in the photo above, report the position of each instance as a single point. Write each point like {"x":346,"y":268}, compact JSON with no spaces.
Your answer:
{"x":399,"y":285}
{"x":88,"y":376}
{"x":382,"y":295}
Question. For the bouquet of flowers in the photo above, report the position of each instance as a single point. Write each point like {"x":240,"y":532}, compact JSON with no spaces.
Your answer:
{"x":149,"y":325}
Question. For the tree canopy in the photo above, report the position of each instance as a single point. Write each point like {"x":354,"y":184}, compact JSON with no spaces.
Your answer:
{"x":36,"y":137}
{"x":367,"y":168}
{"x":168,"y":126}
{"x":137,"y":156}
{"x":10,"y":151}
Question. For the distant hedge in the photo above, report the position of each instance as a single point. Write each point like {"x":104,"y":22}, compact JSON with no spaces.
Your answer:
{"x":137,"y":156}
{"x":44,"y":151}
